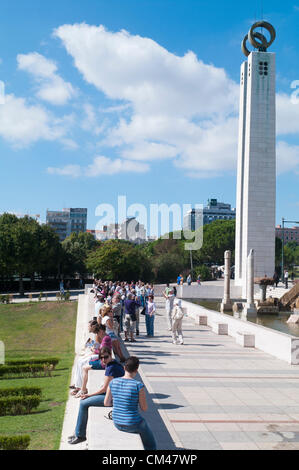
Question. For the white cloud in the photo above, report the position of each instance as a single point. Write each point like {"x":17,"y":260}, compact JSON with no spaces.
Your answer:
{"x":287,"y":114}
{"x":101,"y":166}
{"x":179,"y":107}
{"x":51,"y":87}
{"x":287,"y":157}
{"x":22,"y":124}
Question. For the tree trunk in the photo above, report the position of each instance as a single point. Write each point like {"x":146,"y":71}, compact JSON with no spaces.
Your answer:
{"x":21,"y":285}
{"x":32,"y":282}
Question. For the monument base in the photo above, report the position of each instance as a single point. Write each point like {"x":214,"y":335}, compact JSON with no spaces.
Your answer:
{"x":249,"y":310}
{"x":226,"y":306}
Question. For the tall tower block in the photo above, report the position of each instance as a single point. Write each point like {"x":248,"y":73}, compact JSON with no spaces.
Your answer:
{"x":256,"y":179}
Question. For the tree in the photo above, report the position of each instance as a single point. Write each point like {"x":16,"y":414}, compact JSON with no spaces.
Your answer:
{"x":118,"y":260}
{"x":218,"y":236}
{"x":76,"y":249}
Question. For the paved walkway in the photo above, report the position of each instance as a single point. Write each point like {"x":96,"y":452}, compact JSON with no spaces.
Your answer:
{"x":211,"y":393}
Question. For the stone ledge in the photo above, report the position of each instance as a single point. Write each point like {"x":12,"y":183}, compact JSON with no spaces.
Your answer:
{"x":101,"y":432}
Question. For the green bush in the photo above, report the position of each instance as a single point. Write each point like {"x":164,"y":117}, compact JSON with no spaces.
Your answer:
{"x":204,"y":272}
{"x":67,"y":295}
{"x":20,"y":391}
{"x":44,"y":360}
{"x":14,"y":442}
{"x":30,"y":370}
{"x":18,"y":405}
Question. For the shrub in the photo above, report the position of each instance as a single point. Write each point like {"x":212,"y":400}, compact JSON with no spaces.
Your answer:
{"x":67,"y":295}
{"x":25,"y":370}
{"x":44,"y":360}
{"x":20,"y":391}
{"x":40,"y":296}
{"x":204,"y":272}
{"x":18,"y":405}
{"x":14,"y":442}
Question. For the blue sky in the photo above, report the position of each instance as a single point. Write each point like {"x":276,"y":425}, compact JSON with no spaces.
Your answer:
{"x":136,"y":98}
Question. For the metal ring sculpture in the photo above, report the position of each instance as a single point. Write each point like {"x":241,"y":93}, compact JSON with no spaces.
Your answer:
{"x":258,"y":40}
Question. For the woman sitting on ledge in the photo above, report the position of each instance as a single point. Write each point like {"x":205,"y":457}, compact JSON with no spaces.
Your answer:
{"x":113,"y":369}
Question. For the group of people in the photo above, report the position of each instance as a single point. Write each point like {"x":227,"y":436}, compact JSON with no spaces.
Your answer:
{"x":116,"y":308}
{"x":127,"y":301}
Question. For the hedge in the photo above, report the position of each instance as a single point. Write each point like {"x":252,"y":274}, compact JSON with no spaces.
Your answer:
{"x":47,"y":360}
{"x":14,"y":442}
{"x":20,"y":391}
{"x":18,"y":405}
{"x":35,"y":370}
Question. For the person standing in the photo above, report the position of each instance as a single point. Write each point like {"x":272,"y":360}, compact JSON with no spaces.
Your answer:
{"x":189,"y":280}
{"x":130,"y":305}
{"x":177,"y":320}
{"x":127,"y":395}
{"x":150,"y":316}
{"x":169,"y":306}
{"x":286,"y":278}
{"x":61,"y":287}
{"x":276,"y":278}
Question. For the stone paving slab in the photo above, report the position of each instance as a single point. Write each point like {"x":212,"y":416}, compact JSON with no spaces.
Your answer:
{"x":213,"y":394}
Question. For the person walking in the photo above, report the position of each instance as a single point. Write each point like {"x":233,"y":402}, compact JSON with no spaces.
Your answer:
{"x":127,"y":395}
{"x":189,"y":280}
{"x":150,"y":316}
{"x":177,"y":320}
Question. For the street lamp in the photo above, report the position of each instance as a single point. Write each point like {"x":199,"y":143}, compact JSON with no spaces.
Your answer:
{"x":282,"y":248}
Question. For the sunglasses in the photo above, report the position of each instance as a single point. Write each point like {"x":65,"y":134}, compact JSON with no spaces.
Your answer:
{"x":104,"y":357}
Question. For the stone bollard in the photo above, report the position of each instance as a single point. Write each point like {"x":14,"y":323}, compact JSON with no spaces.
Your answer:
{"x":226,"y":303}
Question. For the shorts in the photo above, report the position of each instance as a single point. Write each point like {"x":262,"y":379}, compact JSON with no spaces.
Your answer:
{"x":112,"y":335}
{"x":96,"y":365}
{"x":129,"y":325}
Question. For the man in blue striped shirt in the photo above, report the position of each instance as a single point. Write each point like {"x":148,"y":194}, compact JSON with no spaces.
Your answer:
{"x":127,"y":394}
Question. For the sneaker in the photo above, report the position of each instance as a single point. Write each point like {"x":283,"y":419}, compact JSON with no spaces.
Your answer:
{"x":133,"y":341}
{"x":175,"y":342}
{"x":137,"y":332}
{"x":77,"y":440}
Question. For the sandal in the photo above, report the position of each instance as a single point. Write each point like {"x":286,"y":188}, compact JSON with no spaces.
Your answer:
{"x":80,"y":393}
{"x":75,"y":391}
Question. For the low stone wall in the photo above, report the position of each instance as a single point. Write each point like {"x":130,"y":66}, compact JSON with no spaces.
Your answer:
{"x":207,"y":291}
{"x":280,"y":345}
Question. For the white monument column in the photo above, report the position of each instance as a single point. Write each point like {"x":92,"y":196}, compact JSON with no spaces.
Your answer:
{"x":256,"y":180}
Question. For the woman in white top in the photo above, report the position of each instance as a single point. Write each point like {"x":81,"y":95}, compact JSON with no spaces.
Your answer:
{"x":106,"y":318}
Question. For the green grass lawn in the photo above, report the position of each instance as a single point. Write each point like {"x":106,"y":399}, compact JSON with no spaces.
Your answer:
{"x":32,"y":330}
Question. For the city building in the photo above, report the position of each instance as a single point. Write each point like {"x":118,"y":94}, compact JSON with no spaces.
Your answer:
{"x":67,"y":221}
{"x":214,"y":210}
{"x":132,"y":230}
{"x":287,"y":234}
{"x":217,"y":211}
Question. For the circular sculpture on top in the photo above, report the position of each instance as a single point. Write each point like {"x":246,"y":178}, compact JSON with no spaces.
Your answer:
{"x":258,"y":40}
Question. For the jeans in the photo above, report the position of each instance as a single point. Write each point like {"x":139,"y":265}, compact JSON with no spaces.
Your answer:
{"x":149,"y":323}
{"x":96,"y":400}
{"x":142,"y":428}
